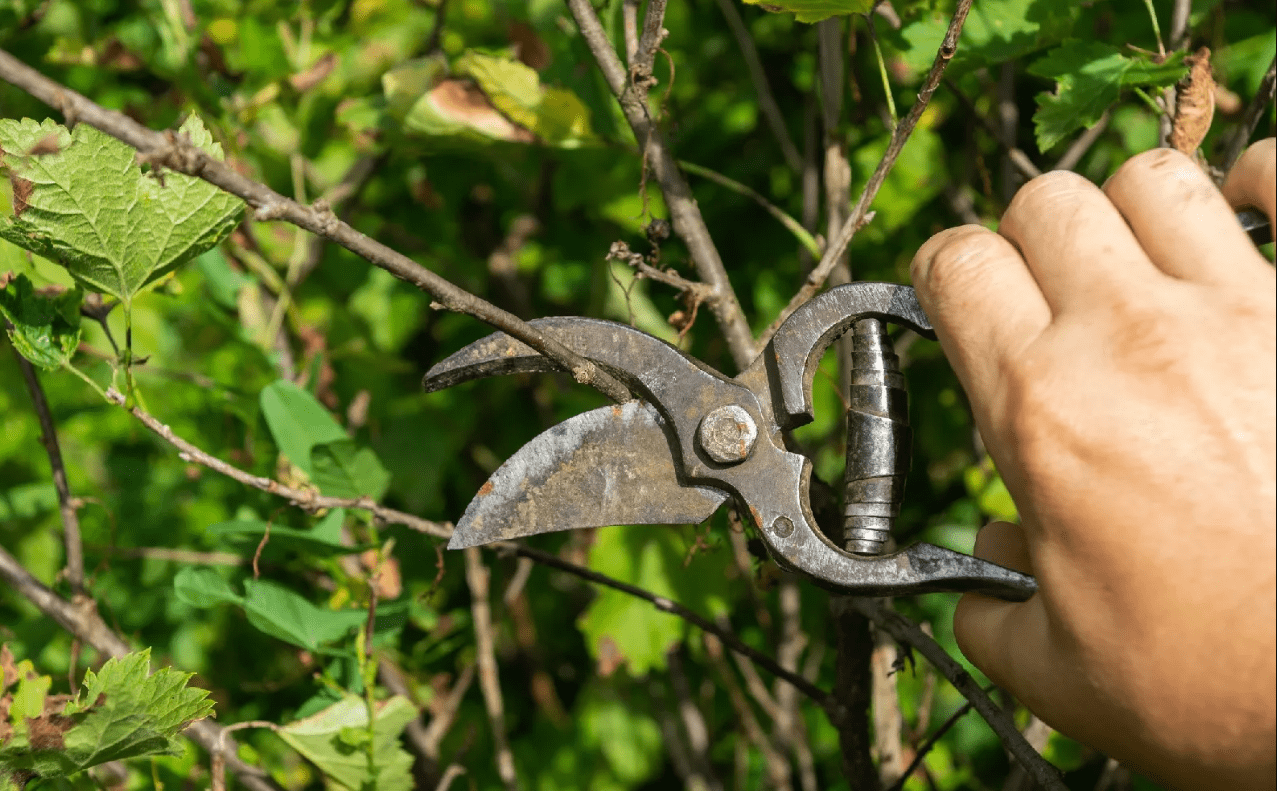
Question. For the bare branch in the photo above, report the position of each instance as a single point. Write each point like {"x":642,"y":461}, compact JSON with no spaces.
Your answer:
{"x":66,"y":505}
{"x":821,"y":697}
{"x":649,"y":41}
{"x":477,"y":575}
{"x":775,"y":764}
{"x":80,"y":618}
{"x":175,"y":152}
{"x":307,"y":499}
{"x":852,"y":688}
{"x":693,"y":723}
{"x":1250,"y":120}
{"x":629,"y":22}
{"x":888,"y":719}
{"x":926,"y":746}
{"x":859,"y":214}
{"x":766,"y":101}
{"x":907,"y":633}
{"x":1078,"y":148}
{"x":1018,"y":158}
{"x":684,"y":213}
{"x":445,"y":713}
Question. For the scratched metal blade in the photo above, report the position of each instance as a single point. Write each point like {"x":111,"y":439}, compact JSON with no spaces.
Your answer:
{"x":610,"y":466}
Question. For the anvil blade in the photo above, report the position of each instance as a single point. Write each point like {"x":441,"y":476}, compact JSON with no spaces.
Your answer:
{"x":610,"y":466}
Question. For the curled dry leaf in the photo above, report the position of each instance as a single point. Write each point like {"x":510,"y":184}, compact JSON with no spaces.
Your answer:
{"x":1194,"y":104}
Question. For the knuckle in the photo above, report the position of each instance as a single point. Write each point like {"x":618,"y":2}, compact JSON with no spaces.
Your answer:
{"x":957,"y":262}
{"x":1042,"y":196}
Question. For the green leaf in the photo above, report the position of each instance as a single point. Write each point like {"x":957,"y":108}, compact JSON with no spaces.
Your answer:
{"x":334,"y":740}
{"x":46,"y":329}
{"x":323,"y":540}
{"x":298,"y":422}
{"x":620,"y":628}
{"x":555,"y":115}
{"x":1089,"y":78}
{"x":122,"y":712}
{"x":89,"y":207}
{"x":995,"y":31}
{"x":286,"y":615}
{"x":340,"y":469}
{"x":815,"y":10}
{"x":203,"y":587}
{"x":29,"y":696}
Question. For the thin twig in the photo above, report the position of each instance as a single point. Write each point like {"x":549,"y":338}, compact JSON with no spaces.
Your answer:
{"x":789,"y":648}
{"x":684,"y":213}
{"x":477,"y":575}
{"x":307,"y":499}
{"x":766,"y":100}
{"x":907,"y":633}
{"x":451,"y":773}
{"x":445,"y":712}
{"x":888,"y":719}
{"x":629,"y":24}
{"x":176,"y":152}
{"x":926,"y":746}
{"x":188,"y":557}
{"x":693,"y":722}
{"x":1017,"y":156}
{"x":1250,"y":119}
{"x":948,"y":48}
{"x":1078,"y":148}
{"x":775,"y":764}
{"x":852,"y":686}
{"x":663,"y":604}
{"x":804,"y":237}
{"x":66,"y":505}
{"x":649,"y":40}
{"x":80,"y":618}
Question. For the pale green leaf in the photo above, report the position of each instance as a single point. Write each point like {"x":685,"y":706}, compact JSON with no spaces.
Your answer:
{"x":89,"y":207}
{"x":323,"y":540}
{"x":555,"y":115}
{"x":287,"y":616}
{"x":46,"y":329}
{"x":297,"y":421}
{"x":340,"y":469}
{"x":815,"y":10}
{"x":1089,"y":79}
{"x":620,"y":629}
{"x":333,"y":739}
{"x":203,"y":587}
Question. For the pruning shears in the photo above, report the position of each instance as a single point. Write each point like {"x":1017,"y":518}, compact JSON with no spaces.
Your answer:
{"x":699,"y":437}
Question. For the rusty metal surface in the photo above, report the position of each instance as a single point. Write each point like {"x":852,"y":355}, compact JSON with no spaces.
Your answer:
{"x":609,"y":466}
{"x":547,"y":486}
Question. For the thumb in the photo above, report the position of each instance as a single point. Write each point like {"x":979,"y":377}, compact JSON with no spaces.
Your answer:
{"x":991,"y":632}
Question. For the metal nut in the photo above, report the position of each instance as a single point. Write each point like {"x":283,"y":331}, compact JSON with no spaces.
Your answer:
{"x":727,"y":434}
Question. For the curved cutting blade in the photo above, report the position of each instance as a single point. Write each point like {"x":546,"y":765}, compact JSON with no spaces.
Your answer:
{"x":610,"y":466}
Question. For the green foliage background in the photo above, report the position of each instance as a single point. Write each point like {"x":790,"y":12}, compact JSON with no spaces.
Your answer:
{"x":343,"y":403}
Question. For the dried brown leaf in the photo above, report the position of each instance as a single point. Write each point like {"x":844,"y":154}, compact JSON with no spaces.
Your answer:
{"x":1194,"y":104}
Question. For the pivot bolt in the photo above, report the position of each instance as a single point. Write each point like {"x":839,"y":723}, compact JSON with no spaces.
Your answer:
{"x":727,"y":434}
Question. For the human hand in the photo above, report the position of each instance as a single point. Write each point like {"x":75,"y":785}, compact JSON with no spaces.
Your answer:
{"x":1117,"y":346}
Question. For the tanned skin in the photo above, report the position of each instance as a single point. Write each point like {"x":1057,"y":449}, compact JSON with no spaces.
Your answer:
{"x":1117,"y":346}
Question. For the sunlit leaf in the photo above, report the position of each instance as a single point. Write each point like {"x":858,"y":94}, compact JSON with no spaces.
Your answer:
{"x":45,"y":328}
{"x":335,"y":740}
{"x":815,"y":10}
{"x":1089,"y":78}
{"x":83,"y":202}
